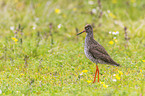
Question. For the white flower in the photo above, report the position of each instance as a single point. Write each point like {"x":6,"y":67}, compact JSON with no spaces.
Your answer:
{"x":114,"y":37}
{"x":37,"y":19}
{"x":110,"y":32}
{"x":94,"y":11}
{"x":114,"y":80}
{"x":81,"y":73}
{"x":12,"y":27}
{"x":114,"y":33}
{"x":134,"y":4}
{"x":34,"y":27}
{"x":91,"y":2}
{"x":98,"y":8}
{"x":117,"y":32}
{"x":0,"y":91}
{"x":116,"y":22}
{"x":59,"y":26}
{"x":114,"y":74}
{"x":108,"y":11}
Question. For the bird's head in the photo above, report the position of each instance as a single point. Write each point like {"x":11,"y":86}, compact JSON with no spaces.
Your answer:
{"x":88,"y":29}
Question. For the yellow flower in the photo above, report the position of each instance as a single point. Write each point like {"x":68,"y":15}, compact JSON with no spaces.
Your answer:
{"x":143,"y":60}
{"x":57,"y":11}
{"x":74,"y":9}
{"x":89,"y":81}
{"x":136,"y":66}
{"x":64,"y":15}
{"x":120,"y":72}
{"x":102,"y":83}
{"x":115,"y":40}
{"x":16,"y":1}
{"x":19,"y":5}
{"x":85,"y":71}
{"x":114,"y":1}
{"x":132,"y":1}
{"x":117,"y":77}
{"x":105,"y":86}
{"x":111,"y":42}
{"x":38,"y":4}
{"x":112,"y":15}
{"x":140,"y":70}
{"x":15,"y":39}
{"x":22,"y":74}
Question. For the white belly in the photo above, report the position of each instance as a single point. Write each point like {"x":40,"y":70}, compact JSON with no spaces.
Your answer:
{"x":89,"y":56}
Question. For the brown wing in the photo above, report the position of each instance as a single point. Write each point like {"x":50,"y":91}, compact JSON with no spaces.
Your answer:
{"x":100,"y":48}
{"x":99,"y":52}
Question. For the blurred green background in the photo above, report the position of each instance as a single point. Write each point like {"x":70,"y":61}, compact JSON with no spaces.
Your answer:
{"x":40,"y":53}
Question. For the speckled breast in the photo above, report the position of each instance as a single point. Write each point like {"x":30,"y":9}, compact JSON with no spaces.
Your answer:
{"x":88,"y":54}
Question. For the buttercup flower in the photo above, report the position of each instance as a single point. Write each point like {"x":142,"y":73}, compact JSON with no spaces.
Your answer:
{"x":111,"y":42}
{"x":112,"y":15}
{"x":57,"y":11}
{"x":117,"y":77}
{"x":120,"y":72}
{"x":132,"y":1}
{"x":15,"y":39}
{"x":114,"y":1}
{"x":89,"y":81}
{"x":115,"y":40}
{"x":102,"y":83}
{"x":64,"y":15}
{"x":85,"y":71}
{"x":22,"y":74}
{"x":74,"y":9}
{"x":105,"y":86}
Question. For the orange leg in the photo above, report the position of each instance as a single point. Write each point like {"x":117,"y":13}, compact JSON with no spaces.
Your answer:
{"x":97,"y":70}
{"x":98,"y":73}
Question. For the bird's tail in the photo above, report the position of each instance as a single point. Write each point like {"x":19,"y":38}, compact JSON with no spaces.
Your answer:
{"x":116,"y":64}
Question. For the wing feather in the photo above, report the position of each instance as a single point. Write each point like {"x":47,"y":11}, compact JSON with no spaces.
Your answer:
{"x":99,"y":52}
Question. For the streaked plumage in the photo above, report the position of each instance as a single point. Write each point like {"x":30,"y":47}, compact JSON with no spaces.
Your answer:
{"x":96,"y":52}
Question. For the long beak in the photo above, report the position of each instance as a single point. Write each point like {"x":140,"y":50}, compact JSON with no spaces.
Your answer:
{"x":81,"y":32}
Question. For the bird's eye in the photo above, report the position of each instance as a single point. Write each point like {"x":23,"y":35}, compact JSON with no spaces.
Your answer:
{"x":87,"y":28}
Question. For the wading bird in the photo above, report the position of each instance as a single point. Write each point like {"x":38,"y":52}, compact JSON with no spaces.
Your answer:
{"x":96,"y":52}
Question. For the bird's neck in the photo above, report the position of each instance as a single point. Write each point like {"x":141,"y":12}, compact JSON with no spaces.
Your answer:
{"x":90,"y":35}
{"x":89,"y":38}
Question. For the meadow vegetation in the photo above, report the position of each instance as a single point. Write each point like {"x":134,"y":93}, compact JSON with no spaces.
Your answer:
{"x":40,"y":53}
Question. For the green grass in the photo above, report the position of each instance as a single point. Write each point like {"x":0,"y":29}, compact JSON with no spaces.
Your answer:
{"x":45,"y":64}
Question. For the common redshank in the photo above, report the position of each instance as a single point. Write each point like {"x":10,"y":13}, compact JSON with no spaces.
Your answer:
{"x":96,"y":52}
